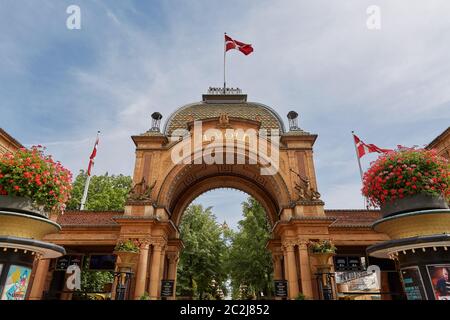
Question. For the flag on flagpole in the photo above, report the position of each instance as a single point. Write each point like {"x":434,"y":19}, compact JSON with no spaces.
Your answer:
{"x":92,"y":157}
{"x":361,"y":149}
{"x":364,"y":148}
{"x":88,"y":180}
{"x":234,"y":44}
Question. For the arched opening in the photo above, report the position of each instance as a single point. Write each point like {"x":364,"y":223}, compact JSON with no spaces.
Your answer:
{"x":225,"y":254}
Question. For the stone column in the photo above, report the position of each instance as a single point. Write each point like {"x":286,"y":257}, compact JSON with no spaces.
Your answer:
{"x":277,"y":268}
{"x":292,"y":270}
{"x":141,"y":274}
{"x":172,"y":271}
{"x":155,"y":271}
{"x":305,"y":269}
{"x":161,"y":269}
{"x":40,"y":277}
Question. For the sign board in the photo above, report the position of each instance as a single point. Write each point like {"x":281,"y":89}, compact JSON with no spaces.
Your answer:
{"x":413,"y":284}
{"x":167,"y":288}
{"x":281,"y":288}
{"x":65,"y":261}
{"x":348,"y":263}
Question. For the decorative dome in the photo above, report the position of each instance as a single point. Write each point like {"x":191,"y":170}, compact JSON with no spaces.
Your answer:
{"x":215,"y":105}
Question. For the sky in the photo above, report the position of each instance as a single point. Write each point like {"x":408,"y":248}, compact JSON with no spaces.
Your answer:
{"x":319,"y":58}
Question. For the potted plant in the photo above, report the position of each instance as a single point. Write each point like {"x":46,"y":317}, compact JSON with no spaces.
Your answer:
{"x":322,"y":250}
{"x":127,"y":252}
{"x":300,"y":296}
{"x":145,"y":296}
{"x":408,"y":180}
{"x":33,"y":182}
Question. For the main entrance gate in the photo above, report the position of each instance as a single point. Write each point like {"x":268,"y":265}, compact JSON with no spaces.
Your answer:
{"x":178,"y":163}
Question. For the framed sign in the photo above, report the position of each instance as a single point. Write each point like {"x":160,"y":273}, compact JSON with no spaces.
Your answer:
{"x":65,"y":261}
{"x":348,"y":263}
{"x":340,"y":263}
{"x":440,"y":281}
{"x":280,"y":288}
{"x":413,"y":284}
{"x":354,"y":263}
{"x":167,"y":288}
{"x":62,"y":263}
{"x":16,"y":283}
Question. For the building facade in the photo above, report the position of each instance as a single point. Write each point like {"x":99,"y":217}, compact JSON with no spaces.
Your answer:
{"x":162,"y":190}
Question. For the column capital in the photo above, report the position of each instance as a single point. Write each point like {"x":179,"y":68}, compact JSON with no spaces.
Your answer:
{"x":144,"y":243}
{"x":173,"y":256}
{"x":289,"y":244}
{"x":158,"y":244}
{"x":303,"y":244}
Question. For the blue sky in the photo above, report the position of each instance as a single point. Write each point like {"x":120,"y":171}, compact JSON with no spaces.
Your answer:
{"x":131,"y":58}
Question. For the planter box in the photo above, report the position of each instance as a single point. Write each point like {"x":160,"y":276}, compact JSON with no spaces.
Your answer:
{"x":126,"y":259}
{"x":413,"y":203}
{"x":21,"y":205}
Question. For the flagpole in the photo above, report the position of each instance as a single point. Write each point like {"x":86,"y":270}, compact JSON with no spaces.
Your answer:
{"x":88,"y":181}
{"x":86,"y":188}
{"x":360,"y":167}
{"x":224,"y":60}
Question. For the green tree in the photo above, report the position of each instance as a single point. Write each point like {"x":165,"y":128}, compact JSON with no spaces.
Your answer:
{"x":201,"y":270}
{"x":105,"y":192}
{"x":249,"y":262}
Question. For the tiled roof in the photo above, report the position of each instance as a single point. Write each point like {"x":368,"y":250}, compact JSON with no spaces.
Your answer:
{"x":344,"y":218}
{"x":353,"y":218}
{"x":433,"y":143}
{"x":83,"y":218}
{"x":245,"y":110}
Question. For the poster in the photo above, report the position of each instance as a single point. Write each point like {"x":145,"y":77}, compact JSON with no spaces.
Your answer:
{"x":413,"y":284}
{"x":439,"y":276}
{"x":16,"y":283}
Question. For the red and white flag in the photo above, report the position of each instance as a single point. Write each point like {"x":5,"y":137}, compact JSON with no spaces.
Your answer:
{"x":92,"y":157}
{"x":363,"y":148}
{"x":234,"y":44}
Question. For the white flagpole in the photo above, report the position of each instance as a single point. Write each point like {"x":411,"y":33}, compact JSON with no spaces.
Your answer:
{"x":88,"y":180}
{"x":360,"y":168}
{"x":86,"y":188}
{"x":224,"y":60}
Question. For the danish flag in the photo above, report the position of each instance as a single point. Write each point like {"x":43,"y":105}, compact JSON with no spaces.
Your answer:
{"x":234,"y":44}
{"x":92,"y":157}
{"x":363,"y":148}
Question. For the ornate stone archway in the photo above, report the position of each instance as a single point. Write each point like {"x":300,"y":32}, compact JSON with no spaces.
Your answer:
{"x":163,"y":189}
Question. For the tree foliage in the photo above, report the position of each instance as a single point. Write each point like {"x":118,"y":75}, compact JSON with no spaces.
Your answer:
{"x":214,"y":253}
{"x":105,"y":192}
{"x":249,"y":262}
{"x":201,"y":270}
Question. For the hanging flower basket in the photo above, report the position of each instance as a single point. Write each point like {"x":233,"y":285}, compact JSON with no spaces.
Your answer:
{"x":33,"y":182}
{"x":413,"y":203}
{"x":408,"y":180}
